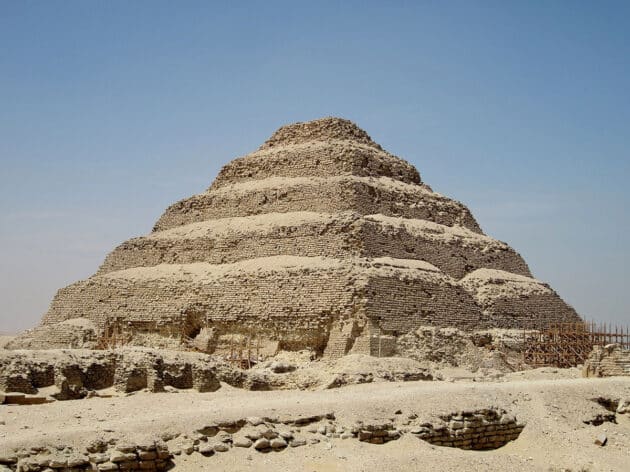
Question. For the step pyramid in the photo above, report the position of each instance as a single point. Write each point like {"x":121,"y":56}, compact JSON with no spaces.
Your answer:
{"x":318,"y":240}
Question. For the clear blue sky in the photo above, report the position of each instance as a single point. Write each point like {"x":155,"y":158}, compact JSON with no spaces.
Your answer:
{"x":110,"y":111}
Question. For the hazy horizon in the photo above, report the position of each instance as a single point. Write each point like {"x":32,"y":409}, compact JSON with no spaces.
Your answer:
{"x":113,"y":111}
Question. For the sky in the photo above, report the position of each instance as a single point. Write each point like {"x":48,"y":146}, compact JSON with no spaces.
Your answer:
{"x":111,"y":111}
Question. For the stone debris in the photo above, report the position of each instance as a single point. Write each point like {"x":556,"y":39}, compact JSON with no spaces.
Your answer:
{"x":262,"y":444}
{"x":356,"y":249}
{"x":242,"y":442}
{"x":601,"y":440}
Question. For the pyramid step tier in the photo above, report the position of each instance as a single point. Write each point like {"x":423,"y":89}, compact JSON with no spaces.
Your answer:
{"x":513,"y":301}
{"x":364,"y":195}
{"x":317,"y":159}
{"x":454,"y":250}
{"x":294,"y":300}
{"x":297,"y":301}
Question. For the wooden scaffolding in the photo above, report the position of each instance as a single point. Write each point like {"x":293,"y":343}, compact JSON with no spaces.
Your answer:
{"x":569,"y":344}
{"x":244,"y":354}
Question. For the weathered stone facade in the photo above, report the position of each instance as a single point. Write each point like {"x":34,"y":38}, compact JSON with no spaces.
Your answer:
{"x":318,"y":240}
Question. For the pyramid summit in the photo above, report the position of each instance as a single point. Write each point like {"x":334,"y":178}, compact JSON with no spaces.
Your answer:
{"x":320,"y":240}
{"x":324,"y":129}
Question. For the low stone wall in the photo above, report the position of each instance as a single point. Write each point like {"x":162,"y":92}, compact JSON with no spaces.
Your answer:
{"x":477,"y":430}
{"x":607,"y":361}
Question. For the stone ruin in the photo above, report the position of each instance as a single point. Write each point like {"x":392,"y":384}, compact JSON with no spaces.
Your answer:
{"x":483,"y":429}
{"x":318,"y":240}
{"x":607,"y":361}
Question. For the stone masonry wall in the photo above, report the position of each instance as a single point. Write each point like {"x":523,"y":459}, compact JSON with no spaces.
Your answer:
{"x":70,"y":334}
{"x":76,"y":372}
{"x":400,"y":306}
{"x":476,"y":430}
{"x":453,"y":257}
{"x":241,"y":303}
{"x":528,"y":311}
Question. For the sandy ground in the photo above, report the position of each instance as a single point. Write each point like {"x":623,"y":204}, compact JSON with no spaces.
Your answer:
{"x":551,"y":403}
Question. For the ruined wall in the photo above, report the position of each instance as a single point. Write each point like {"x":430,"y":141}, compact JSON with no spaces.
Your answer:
{"x":259,"y":300}
{"x":607,"y":361}
{"x":392,"y":198}
{"x":533,"y":311}
{"x":473,"y":430}
{"x":75,"y":372}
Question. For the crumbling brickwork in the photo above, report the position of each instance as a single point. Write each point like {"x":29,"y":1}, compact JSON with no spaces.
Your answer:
{"x":320,"y":240}
{"x":476,"y":430}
